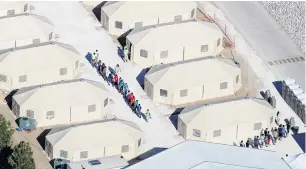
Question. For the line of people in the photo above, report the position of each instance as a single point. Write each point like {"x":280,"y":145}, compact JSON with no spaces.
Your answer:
{"x":120,"y":85}
{"x":267,"y":137}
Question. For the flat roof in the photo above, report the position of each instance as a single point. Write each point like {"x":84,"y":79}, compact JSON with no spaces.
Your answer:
{"x":199,"y":155}
{"x":109,"y":162}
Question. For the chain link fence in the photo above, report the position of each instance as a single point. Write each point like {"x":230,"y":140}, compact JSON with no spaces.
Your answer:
{"x":252,"y":84}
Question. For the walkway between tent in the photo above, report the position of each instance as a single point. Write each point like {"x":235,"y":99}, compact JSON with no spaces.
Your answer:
{"x":40,"y":158}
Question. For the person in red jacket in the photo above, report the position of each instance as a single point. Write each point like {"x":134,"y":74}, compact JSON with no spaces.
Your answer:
{"x":132,"y":101}
{"x":116,"y":80}
{"x":130,"y":96}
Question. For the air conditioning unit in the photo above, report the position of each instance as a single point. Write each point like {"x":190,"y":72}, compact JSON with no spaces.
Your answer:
{"x":50,"y":117}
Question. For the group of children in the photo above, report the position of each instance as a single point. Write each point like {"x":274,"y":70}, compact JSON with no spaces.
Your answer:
{"x":267,"y":137}
{"x":120,"y":85}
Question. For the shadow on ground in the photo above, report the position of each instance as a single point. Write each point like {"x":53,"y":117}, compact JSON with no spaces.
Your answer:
{"x":174,"y":116}
{"x":300,"y":140}
{"x":140,"y":77}
{"x":42,"y":138}
{"x":278,"y":86}
{"x":97,"y":10}
{"x":9,"y":98}
{"x":146,"y":155}
{"x":122,"y":38}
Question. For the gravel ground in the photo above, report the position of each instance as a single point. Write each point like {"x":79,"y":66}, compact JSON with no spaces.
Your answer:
{"x":291,"y":16}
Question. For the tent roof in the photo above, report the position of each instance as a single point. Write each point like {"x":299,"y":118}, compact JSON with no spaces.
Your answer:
{"x":211,"y":68}
{"x":131,"y":11}
{"x":85,"y":135}
{"x":39,"y":57}
{"x":173,"y":34}
{"x":24,"y":27}
{"x":228,"y":112}
{"x":8,"y":5}
{"x":61,"y":93}
{"x":200,"y":155}
{"x":107,"y":162}
{"x":297,"y":161}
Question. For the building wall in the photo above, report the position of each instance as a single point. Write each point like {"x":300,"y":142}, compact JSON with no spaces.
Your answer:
{"x":39,"y":77}
{"x":23,"y":42}
{"x":196,"y":93}
{"x":181,"y":128}
{"x":66,"y":114}
{"x":127,"y":25}
{"x":229,"y":134}
{"x":247,"y":130}
{"x":97,"y":151}
{"x":104,"y":20}
{"x":189,"y":51}
{"x":18,"y":10}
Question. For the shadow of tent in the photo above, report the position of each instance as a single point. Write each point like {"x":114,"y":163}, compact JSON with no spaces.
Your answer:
{"x":97,"y":10}
{"x":9,"y":98}
{"x":262,"y":93}
{"x":88,"y":57}
{"x":59,"y":163}
{"x":42,"y":138}
{"x":111,"y":70}
{"x":300,"y":140}
{"x":122,"y":39}
{"x":278,"y":86}
{"x":174,"y":116}
{"x":146,"y":155}
{"x":140,"y":77}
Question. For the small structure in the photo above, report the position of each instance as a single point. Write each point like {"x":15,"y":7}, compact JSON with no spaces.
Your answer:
{"x":203,"y":155}
{"x":24,"y":29}
{"x":9,"y":8}
{"x":94,"y":140}
{"x":175,"y":41}
{"x":119,"y":17}
{"x":110,"y":162}
{"x":25,"y":123}
{"x":193,"y":80}
{"x":37,"y":64}
{"x":62,"y":102}
{"x":226,"y":121}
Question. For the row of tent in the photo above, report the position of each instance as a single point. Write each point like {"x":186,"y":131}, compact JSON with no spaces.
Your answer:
{"x":163,"y":33}
{"x":47,"y":90}
{"x":178,"y":48}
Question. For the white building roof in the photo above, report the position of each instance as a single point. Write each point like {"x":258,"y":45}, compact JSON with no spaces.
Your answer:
{"x":297,"y":161}
{"x":131,"y":11}
{"x":174,"y":34}
{"x":85,"y":135}
{"x":8,"y":5}
{"x":24,"y":26}
{"x":37,"y":57}
{"x":229,"y":112}
{"x":107,"y":162}
{"x":203,"y":155}
{"x":192,"y":72}
{"x":62,"y":93}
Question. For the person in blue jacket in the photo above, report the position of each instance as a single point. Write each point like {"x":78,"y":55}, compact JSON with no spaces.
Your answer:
{"x":126,"y":89}
{"x":138,"y":110}
{"x":121,"y":83}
